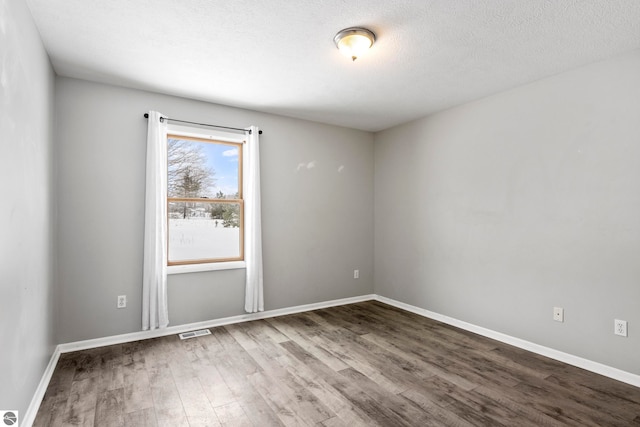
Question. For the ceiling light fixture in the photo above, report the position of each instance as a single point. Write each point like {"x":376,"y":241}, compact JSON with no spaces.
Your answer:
{"x":354,"y":41}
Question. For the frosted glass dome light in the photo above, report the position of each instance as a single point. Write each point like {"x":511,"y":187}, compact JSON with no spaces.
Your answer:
{"x":354,"y":41}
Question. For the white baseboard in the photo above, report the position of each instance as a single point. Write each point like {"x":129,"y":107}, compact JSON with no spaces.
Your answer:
{"x":171,"y":330}
{"x":30,"y":416}
{"x":589,"y":365}
{"x":570,"y":359}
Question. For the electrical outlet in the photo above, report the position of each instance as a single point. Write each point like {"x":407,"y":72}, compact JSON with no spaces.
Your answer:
{"x":356,"y":274}
{"x":558,"y":314}
{"x":620,"y":327}
{"x":122,"y":301}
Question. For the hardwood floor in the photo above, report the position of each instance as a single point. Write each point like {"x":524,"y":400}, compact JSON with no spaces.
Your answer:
{"x":362,"y":364}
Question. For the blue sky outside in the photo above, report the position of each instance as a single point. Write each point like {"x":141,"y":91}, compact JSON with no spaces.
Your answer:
{"x":223,"y":159}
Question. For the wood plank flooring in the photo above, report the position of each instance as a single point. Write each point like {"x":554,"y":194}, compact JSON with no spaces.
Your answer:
{"x":362,"y":364}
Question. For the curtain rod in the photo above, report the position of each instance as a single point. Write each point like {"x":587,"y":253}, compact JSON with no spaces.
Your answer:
{"x":146,"y":116}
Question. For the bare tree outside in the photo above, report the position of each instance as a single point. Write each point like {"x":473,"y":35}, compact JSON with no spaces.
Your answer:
{"x":188,"y":172}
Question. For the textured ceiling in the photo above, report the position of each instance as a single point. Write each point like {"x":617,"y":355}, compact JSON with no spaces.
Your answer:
{"x":278,"y":56}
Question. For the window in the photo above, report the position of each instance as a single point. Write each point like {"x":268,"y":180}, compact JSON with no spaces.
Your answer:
{"x":205,"y":205}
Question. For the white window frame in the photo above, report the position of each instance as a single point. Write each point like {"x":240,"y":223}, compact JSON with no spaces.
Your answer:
{"x":216,"y":135}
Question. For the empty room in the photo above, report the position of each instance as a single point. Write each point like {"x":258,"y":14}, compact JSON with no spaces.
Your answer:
{"x":331,"y":213}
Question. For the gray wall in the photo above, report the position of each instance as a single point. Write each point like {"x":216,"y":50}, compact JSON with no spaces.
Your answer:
{"x":317,"y":222}
{"x":26,"y":209}
{"x":496,"y":211}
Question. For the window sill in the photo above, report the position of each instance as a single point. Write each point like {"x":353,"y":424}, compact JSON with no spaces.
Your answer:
{"x":213,"y":266}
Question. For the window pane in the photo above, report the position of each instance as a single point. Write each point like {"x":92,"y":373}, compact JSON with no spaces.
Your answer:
{"x":200,"y":231}
{"x":199,"y":169}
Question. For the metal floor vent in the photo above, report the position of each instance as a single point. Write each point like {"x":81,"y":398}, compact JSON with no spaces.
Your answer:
{"x":193,"y":334}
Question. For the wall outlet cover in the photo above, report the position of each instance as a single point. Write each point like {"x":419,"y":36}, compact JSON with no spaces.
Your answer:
{"x":558,"y":314}
{"x":122,"y":301}
{"x":620,"y":327}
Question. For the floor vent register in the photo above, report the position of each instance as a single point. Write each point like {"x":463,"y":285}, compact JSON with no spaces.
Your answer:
{"x":193,"y":334}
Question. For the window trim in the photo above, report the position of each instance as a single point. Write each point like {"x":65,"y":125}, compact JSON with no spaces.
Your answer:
{"x":225,"y":138}
{"x":211,"y":266}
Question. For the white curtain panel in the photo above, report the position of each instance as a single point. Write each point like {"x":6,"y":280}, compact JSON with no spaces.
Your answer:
{"x":155,"y":312}
{"x":254,"y":299}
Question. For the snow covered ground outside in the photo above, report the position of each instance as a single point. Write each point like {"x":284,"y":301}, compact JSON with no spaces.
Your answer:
{"x":198,"y":238}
